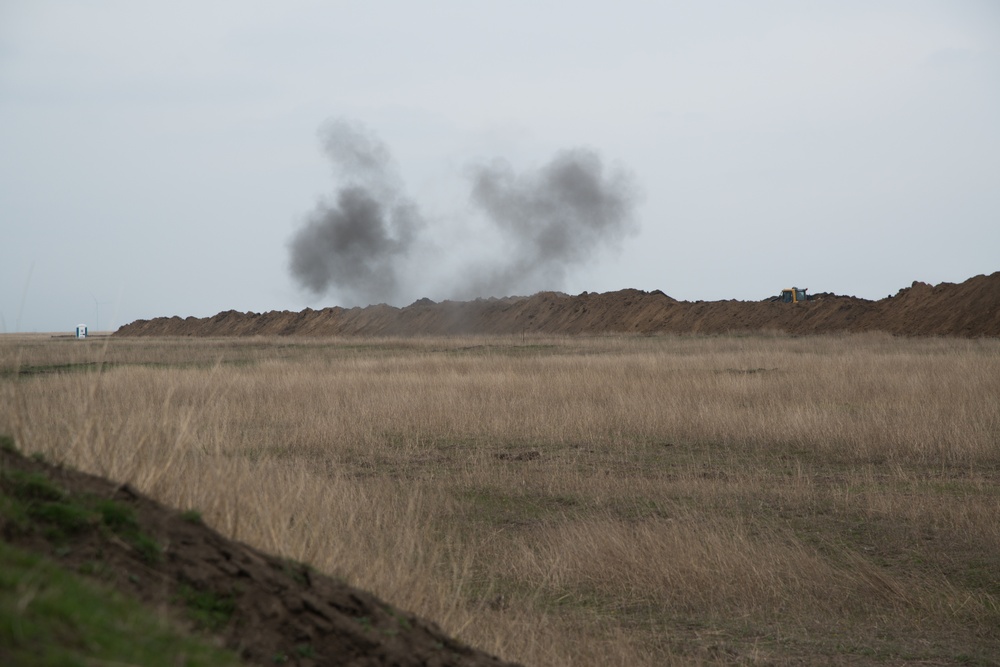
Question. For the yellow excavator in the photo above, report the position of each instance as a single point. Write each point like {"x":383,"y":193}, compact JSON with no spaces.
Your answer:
{"x":794,"y":295}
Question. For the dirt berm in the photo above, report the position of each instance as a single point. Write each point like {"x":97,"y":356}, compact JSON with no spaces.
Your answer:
{"x":266,"y":609}
{"x":969,"y":309}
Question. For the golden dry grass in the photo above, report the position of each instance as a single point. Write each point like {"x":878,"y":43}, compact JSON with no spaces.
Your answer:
{"x":567,"y":501}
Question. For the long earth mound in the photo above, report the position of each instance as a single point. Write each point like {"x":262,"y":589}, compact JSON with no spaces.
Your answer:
{"x":969,"y":309}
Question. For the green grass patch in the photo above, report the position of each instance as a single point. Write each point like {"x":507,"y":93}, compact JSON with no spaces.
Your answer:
{"x":207,"y":609}
{"x":52,"y":617}
{"x":121,"y":520}
{"x":148,"y":548}
{"x":192,"y":516}
{"x":116,"y":516}
{"x":61,"y":520}
{"x":297,"y":572}
{"x":30,"y":487}
{"x":7,"y":444}
{"x":32,"y":502}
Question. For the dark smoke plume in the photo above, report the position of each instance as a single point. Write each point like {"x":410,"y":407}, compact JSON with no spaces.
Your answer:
{"x":354,"y":244}
{"x":551,"y":219}
{"x":369,"y":245}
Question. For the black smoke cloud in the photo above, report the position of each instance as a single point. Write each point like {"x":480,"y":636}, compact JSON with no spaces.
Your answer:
{"x":370,"y":244}
{"x":355,"y":244}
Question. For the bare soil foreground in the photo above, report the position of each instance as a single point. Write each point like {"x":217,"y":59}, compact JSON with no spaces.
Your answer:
{"x":267,"y":609}
{"x":968,"y":309}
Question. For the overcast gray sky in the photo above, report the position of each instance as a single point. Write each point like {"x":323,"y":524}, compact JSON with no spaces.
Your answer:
{"x":157,"y":159}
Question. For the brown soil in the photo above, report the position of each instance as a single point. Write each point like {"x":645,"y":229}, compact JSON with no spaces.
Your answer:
{"x":970,"y":309}
{"x":279,"y":609}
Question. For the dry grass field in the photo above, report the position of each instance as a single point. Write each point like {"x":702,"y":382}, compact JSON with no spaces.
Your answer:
{"x":575,"y":501}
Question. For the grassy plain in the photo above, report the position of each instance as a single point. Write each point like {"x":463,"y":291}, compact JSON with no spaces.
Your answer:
{"x":570,"y":501}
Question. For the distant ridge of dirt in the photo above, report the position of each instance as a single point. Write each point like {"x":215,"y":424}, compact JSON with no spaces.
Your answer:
{"x":967,"y":309}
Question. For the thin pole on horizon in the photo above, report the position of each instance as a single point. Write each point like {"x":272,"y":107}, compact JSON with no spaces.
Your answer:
{"x":97,"y":312}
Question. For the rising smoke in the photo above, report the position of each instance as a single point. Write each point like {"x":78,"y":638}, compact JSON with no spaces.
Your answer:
{"x":353,"y":245}
{"x":551,"y":219}
{"x":361,"y":246}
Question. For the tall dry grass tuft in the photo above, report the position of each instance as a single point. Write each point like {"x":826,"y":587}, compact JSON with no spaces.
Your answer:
{"x":563,"y":501}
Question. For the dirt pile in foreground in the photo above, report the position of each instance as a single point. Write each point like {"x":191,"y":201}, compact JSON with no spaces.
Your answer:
{"x":970,"y":309}
{"x":266,"y":609}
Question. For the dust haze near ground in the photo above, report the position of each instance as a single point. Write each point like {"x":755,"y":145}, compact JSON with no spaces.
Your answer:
{"x":362,"y":245}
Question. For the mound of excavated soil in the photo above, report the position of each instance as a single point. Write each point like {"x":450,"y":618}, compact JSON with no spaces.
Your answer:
{"x":970,"y":309}
{"x":279,"y":611}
